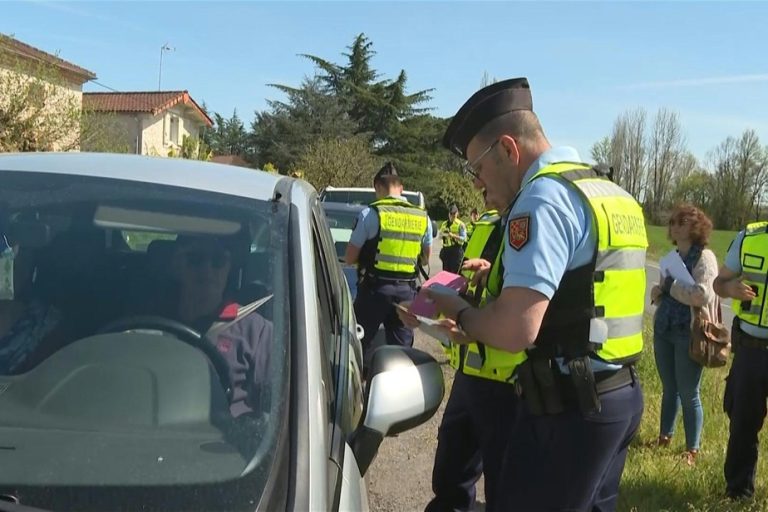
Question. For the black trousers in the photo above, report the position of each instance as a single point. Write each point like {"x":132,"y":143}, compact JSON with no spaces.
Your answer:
{"x":744,"y":402}
{"x":471,"y":440}
{"x":452,"y":257}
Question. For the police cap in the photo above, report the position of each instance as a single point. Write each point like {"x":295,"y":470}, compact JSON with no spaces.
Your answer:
{"x":388,"y":169}
{"x":485,"y":105}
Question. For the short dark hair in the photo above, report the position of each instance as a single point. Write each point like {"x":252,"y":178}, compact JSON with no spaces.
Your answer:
{"x":387,"y":176}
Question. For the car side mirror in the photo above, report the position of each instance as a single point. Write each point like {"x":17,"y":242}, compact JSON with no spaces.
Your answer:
{"x":405,"y":389}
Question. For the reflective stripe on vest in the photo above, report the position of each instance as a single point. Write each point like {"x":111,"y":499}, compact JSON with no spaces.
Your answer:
{"x":401,"y":229}
{"x":481,"y":360}
{"x":455,"y":229}
{"x":754,"y":272}
{"x":619,"y":263}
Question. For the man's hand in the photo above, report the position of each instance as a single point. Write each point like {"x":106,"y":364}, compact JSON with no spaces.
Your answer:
{"x":408,"y":318}
{"x":481,"y":269}
{"x":738,"y":290}
{"x":448,"y":326}
{"x":728,"y":284}
{"x":448,"y":304}
{"x":451,"y":328}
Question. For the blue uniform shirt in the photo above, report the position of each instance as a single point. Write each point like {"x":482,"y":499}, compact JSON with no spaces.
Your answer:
{"x":561,"y":236}
{"x":733,"y":263}
{"x":367,"y":226}
{"x":462,"y":232}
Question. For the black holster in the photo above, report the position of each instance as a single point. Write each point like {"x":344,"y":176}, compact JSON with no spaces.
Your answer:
{"x":547,"y":391}
{"x":584,"y":384}
{"x":736,"y":334}
{"x":539,"y":387}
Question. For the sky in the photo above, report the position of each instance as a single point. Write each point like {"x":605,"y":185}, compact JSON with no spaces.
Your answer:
{"x":587,"y":62}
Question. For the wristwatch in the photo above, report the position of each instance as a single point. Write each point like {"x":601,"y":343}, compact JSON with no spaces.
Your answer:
{"x":458,"y":317}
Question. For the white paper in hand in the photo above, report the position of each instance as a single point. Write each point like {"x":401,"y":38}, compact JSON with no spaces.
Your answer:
{"x":672,"y":265}
{"x":430,"y":327}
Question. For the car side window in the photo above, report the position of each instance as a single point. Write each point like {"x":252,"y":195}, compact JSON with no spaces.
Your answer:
{"x":329,"y":325}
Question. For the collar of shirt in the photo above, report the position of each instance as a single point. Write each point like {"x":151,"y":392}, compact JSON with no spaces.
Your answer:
{"x":551,"y":156}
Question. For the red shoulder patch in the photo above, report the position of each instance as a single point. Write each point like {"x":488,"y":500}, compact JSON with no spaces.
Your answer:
{"x":519,"y":228}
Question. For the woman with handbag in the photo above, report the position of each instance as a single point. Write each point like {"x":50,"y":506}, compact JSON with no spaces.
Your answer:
{"x":678,"y":303}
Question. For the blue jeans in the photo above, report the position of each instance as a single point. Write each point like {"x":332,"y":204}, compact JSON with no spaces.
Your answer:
{"x":680,"y":381}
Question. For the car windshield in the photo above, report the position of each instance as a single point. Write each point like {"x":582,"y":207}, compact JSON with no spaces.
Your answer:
{"x":143,"y":343}
{"x":364,"y":197}
{"x":341,"y":222}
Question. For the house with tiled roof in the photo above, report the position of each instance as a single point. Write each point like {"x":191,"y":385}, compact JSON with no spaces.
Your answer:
{"x":21,"y":64}
{"x":151,"y":123}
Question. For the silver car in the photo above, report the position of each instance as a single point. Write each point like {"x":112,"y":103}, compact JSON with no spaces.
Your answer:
{"x":178,"y":336}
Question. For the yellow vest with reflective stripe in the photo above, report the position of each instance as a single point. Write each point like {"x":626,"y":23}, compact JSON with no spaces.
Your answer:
{"x":455,"y":228}
{"x":481,"y":360}
{"x":615,"y":323}
{"x":754,"y":272}
{"x":470,"y":229}
{"x":402,"y":226}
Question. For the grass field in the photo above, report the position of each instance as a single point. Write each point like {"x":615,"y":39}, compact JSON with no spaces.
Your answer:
{"x":659,"y":244}
{"x":657,"y":479}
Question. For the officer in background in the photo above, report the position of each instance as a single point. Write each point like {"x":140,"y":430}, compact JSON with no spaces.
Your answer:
{"x":454,"y":234}
{"x":474,"y":429}
{"x":390,"y":239}
{"x":569,"y":282}
{"x":744,"y":278}
{"x":473,"y":218}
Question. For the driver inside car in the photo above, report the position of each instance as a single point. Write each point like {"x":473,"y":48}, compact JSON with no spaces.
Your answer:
{"x":29,"y":327}
{"x":200,"y":266}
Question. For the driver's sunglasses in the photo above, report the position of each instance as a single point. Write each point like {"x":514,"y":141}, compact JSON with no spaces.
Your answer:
{"x":682,"y":221}
{"x":469,"y":167}
{"x":197,"y":259}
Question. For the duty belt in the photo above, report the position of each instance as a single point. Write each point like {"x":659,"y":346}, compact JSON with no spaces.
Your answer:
{"x":739,"y":338}
{"x":546,"y":390}
{"x":747,"y":340}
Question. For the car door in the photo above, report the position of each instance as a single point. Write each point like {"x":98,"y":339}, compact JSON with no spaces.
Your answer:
{"x":343,"y":353}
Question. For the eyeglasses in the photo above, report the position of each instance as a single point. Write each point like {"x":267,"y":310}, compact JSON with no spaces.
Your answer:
{"x":469,"y":167}
{"x":679,"y":222}
{"x":197,"y":259}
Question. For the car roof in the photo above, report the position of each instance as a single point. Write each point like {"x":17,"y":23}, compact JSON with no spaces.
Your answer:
{"x":177,"y":172}
{"x":343,"y":207}
{"x":362,"y":189}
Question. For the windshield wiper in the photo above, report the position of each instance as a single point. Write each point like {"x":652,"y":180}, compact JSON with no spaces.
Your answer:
{"x":7,"y":506}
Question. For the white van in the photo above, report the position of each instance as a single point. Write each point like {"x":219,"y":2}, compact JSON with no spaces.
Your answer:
{"x":363,"y":195}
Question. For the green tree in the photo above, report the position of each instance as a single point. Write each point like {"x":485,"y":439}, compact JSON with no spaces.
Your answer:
{"x":740,"y":168}
{"x":697,"y":189}
{"x":227,"y":136}
{"x":338,"y":162}
{"x":375,"y":104}
{"x":281,"y":133}
{"x":38,"y":112}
